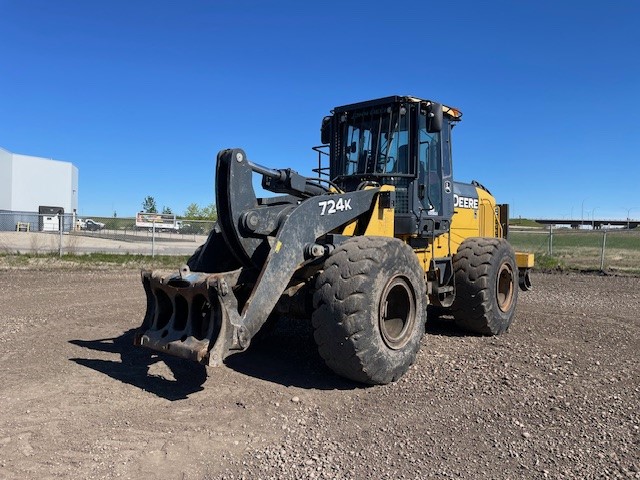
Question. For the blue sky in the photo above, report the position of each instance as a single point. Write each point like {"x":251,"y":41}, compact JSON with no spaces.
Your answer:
{"x":141,"y":95}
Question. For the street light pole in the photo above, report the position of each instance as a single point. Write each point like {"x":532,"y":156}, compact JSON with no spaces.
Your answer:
{"x":628,"y":212}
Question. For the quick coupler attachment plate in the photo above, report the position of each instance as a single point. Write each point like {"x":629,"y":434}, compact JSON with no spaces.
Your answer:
{"x":188,"y":315}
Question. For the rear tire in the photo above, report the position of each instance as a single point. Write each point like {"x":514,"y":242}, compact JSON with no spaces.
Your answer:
{"x":486,"y":277}
{"x":370,"y":309}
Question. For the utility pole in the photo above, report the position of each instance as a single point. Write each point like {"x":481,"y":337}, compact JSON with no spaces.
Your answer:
{"x":628,"y":212}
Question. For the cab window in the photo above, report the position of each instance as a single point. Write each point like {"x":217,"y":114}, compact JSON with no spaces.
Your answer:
{"x":430,"y":167}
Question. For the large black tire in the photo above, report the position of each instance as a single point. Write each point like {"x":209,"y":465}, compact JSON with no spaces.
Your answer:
{"x":370,"y":309}
{"x":486,"y":278}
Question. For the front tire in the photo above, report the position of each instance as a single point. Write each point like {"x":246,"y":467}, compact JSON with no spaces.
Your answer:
{"x":370,"y":309}
{"x":486,"y":277}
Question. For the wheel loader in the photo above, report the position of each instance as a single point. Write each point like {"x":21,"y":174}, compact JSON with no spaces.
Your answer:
{"x":361,"y":250}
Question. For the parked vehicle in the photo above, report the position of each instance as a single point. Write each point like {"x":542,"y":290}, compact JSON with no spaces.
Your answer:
{"x":161,"y":221}
{"x":89,"y":224}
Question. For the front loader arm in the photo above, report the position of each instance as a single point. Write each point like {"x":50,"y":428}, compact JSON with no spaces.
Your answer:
{"x":239,"y":209}
{"x":198,"y":315}
{"x":302,"y":227}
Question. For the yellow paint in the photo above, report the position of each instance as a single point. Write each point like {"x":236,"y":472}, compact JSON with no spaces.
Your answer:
{"x":524,"y":260}
{"x":278,"y":246}
{"x":470,"y":222}
{"x":466,"y":222}
{"x":350,"y":229}
{"x":380,"y":223}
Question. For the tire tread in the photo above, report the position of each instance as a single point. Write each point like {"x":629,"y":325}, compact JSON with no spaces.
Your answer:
{"x":473,"y":308}
{"x":340,"y":308}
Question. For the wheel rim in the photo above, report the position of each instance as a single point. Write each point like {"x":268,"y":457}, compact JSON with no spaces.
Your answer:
{"x":397,"y":313}
{"x":505,"y":287}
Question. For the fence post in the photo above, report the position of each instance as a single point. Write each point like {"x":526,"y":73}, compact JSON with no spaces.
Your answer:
{"x":550,"y":239}
{"x":604,"y":241}
{"x":153,"y":239}
{"x":61,"y":228}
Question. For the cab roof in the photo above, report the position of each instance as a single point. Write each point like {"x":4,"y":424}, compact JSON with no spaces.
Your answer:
{"x":451,"y":112}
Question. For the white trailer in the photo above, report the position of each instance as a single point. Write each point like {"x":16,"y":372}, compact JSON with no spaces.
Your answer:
{"x":161,"y":221}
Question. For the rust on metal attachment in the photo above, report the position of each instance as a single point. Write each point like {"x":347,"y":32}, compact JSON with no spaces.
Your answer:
{"x":191,"y":315}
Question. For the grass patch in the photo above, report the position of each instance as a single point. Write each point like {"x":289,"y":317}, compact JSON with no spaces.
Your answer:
{"x":524,"y":222}
{"x":624,"y":240}
{"x":128,"y":259}
{"x":529,"y":241}
{"x":539,"y":241}
{"x":582,"y":250}
{"x":91,"y":260}
{"x":548,"y":262}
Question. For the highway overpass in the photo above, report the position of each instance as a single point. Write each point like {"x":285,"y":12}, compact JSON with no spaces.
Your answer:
{"x":596,"y":224}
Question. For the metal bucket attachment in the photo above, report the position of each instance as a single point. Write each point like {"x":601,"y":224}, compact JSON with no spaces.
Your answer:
{"x":189,"y":315}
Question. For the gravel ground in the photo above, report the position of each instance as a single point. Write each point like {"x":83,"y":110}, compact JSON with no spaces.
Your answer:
{"x":558,"y":396}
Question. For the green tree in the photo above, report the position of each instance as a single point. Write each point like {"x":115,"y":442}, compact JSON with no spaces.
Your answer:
{"x":192,"y":211}
{"x":195,"y":212}
{"x":209,"y":212}
{"x":167,"y":210}
{"x":149,"y":205}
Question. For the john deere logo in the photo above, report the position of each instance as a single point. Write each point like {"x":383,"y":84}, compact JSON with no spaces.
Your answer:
{"x":464,"y":202}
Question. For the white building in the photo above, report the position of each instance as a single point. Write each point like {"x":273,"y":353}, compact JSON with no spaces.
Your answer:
{"x":27,"y":183}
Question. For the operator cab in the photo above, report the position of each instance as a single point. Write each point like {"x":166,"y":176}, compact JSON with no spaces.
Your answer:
{"x":399,"y":141}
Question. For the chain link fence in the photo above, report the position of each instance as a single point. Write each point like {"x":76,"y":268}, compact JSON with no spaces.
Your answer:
{"x":25,"y":232}
{"x":599,"y":249}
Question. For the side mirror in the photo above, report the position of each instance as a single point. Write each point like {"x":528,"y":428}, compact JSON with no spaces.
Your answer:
{"x":325,"y":131}
{"x":434,"y":117}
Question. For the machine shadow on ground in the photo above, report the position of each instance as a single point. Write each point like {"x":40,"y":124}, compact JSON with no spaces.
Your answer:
{"x":287,"y":355}
{"x":133,"y":368}
{"x":443,"y":325}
